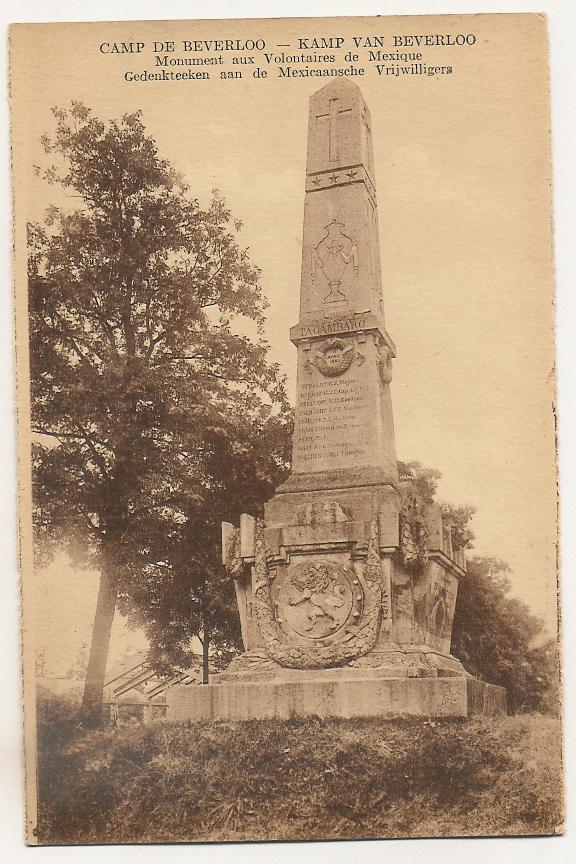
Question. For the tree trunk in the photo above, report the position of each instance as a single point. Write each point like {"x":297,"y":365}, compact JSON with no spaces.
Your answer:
{"x":205,"y":648}
{"x":91,"y":711}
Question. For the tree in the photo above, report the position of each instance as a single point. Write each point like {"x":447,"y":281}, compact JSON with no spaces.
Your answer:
{"x":148,"y":392}
{"x":186,"y":594}
{"x":500,"y":641}
{"x":418,"y":487}
{"x":181,"y":588}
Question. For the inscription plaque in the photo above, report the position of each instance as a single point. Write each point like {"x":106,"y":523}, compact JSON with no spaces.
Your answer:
{"x":334,"y":423}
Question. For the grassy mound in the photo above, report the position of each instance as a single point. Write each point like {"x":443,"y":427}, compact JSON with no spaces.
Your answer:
{"x":299,"y":779}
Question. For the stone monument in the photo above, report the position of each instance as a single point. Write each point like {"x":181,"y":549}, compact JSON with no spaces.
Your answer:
{"x":346,"y":589}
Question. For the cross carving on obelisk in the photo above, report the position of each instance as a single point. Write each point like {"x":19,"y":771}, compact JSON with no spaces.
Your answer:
{"x":332,"y":117}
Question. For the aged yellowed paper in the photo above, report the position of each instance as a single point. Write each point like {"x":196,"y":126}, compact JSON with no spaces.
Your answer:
{"x":284,"y":295}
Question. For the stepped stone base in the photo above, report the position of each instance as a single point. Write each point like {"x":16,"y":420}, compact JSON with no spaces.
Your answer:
{"x":336,"y":696}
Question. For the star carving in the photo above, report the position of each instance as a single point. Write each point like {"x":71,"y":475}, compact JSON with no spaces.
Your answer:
{"x":334,"y":177}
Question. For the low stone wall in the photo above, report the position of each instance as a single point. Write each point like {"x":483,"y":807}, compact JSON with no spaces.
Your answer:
{"x":364,"y":697}
{"x":487,"y":699}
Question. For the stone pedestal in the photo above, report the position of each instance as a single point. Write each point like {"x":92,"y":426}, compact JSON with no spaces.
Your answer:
{"x":346,"y":590}
{"x":338,"y":696}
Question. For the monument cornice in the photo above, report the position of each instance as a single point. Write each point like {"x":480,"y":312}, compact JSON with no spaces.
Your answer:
{"x":335,"y":479}
{"x":354,"y":322}
{"x":447,"y":563}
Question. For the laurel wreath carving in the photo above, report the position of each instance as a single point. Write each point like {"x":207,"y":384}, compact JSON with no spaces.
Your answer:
{"x":363,"y":634}
{"x":318,"y":358}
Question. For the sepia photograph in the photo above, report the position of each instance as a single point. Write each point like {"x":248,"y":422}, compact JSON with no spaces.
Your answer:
{"x":284,"y":297}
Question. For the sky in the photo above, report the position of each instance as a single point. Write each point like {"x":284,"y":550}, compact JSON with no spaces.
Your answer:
{"x":463,"y":190}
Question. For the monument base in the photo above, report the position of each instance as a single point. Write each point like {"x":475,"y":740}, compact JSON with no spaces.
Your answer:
{"x":328,"y":695}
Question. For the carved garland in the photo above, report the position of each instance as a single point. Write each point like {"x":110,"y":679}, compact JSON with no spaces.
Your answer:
{"x":384,"y":361}
{"x":364,"y":633}
{"x":413,"y":541}
{"x":233,"y":559}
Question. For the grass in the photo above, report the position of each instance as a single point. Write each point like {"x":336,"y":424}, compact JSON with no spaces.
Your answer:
{"x":298,"y":779}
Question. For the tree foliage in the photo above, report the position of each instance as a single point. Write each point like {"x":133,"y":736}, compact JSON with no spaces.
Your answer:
{"x":156,"y":411}
{"x":500,"y":641}
{"x":418,"y":488}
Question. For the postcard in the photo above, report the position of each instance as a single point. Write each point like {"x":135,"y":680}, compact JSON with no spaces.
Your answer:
{"x":286,"y":389}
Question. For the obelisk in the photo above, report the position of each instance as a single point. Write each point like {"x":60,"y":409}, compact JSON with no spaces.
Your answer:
{"x":344,"y":433}
{"x":347,"y":588}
